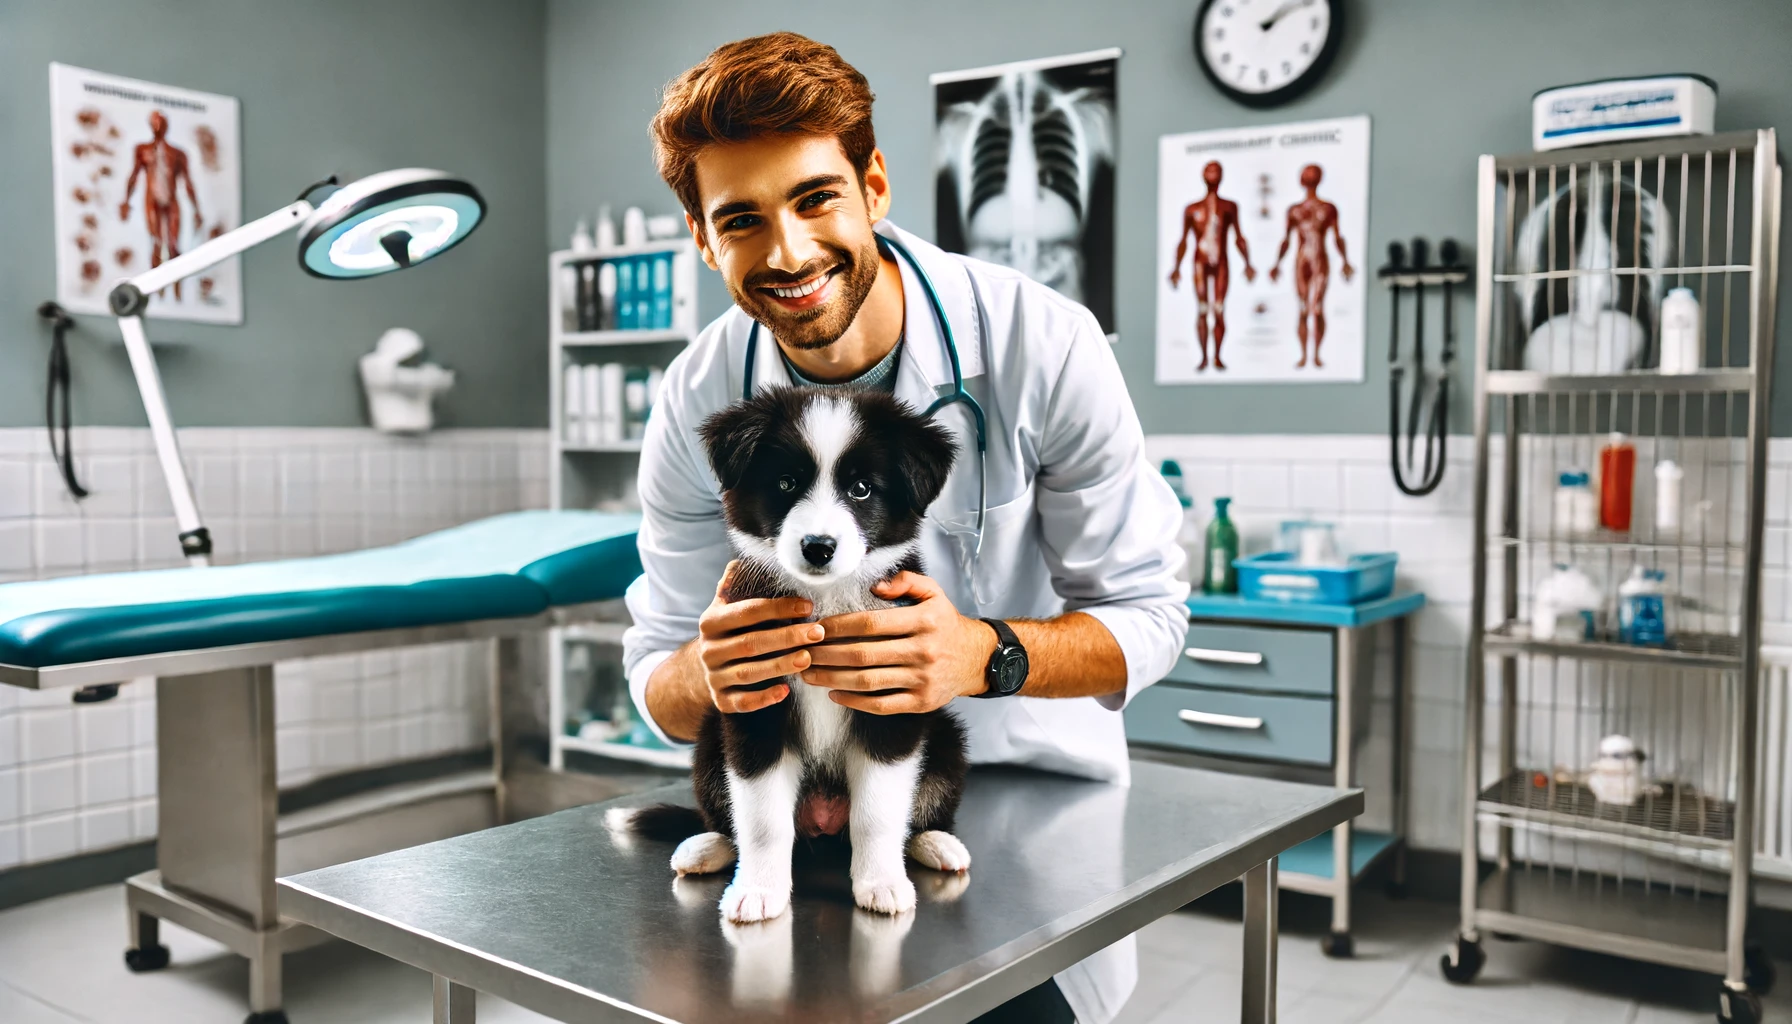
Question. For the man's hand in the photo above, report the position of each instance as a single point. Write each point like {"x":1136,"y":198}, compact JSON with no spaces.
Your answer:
{"x":1250,"y":272}
{"x":1275,"y":272}
{"x":124,"y":211}
{"x":739,"y":653}
{"x":1176,"y":276}
{"x":902,"y":660}
{"x":1348,"y":270}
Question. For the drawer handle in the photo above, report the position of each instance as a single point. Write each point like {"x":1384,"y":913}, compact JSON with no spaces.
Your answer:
{"x":1223,"y":657}
{"x":1223,"y":721}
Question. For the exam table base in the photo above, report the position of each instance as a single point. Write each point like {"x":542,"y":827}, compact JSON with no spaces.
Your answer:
{"x":217,"y":817}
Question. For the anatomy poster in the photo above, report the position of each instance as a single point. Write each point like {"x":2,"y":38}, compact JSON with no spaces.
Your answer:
{"x":142,"y":173}
{"x":1260,"y":253}
{"x":1024,"y":171}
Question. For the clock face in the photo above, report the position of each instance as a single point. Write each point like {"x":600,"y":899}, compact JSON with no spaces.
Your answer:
{"x":1264,"y":52}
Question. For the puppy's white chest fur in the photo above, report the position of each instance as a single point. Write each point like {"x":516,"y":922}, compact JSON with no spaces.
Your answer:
{"x":825,"y":724}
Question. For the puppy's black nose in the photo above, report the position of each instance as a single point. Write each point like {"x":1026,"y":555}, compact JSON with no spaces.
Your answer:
{"x":817,"y":550}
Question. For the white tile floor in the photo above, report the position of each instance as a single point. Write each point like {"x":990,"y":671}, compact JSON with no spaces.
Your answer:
{"x":60,"y":964}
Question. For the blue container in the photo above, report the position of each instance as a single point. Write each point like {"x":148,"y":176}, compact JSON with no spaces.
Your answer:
{"x":1277,"y":577}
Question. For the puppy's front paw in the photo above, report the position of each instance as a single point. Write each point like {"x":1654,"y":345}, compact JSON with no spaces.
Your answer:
{"x":940,"y":851}
{"x":703,"y":854}
{"x":744,"y":904}
{"x":885,"y":894}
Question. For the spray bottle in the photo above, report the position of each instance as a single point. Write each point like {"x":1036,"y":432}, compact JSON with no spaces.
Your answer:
{"x":1222,"y":551}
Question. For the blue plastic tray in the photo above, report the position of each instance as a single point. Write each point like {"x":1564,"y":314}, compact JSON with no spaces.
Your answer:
{"x":1276,"y":577}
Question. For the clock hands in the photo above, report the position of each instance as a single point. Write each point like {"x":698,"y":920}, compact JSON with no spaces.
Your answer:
{"x":1270,"y":22}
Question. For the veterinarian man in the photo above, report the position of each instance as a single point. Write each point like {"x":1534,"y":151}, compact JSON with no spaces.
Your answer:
{"x":768,"y":143}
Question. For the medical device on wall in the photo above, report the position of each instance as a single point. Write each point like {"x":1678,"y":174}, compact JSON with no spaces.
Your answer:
{"x":1427,"y":398}
{"x":1622,"y":110}
{"x":400,"y":391}
{"x":385,"y":222}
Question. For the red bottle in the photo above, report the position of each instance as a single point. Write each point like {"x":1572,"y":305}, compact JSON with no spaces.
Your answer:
{"x":1617,"y":480}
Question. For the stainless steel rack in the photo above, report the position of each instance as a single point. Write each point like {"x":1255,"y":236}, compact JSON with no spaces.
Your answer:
{"x":1575,"y":251}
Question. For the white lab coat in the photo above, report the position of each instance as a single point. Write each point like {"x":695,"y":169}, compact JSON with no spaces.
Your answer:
{"x":1078,"y":520}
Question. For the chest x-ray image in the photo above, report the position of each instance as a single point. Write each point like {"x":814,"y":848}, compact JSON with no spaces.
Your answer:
{"x":1024,"y":171}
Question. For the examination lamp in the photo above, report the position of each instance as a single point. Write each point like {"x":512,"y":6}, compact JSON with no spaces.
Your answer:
{"x":383,"y":222}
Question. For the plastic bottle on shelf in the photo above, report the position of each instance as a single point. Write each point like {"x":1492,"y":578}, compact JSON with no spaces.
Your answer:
{"x":1576,"y":510}
{"x":1221,"y":577}
{"x":1668,"y":475}
{"x":634,"y":226}
{"x":1617,"y":483}
{"x":1682,"y":337}
{"x":606,"y":229}
{"x":1642,"y":608}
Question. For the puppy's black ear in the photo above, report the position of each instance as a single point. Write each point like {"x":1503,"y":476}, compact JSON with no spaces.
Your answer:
{"x":924,"y":454}
{"x":732,"y":435}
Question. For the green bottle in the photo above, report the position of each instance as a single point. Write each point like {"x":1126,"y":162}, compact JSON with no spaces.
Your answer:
{"x":1222,"y":549}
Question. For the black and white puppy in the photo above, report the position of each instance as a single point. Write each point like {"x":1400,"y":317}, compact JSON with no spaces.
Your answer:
{"x":823,"y":494}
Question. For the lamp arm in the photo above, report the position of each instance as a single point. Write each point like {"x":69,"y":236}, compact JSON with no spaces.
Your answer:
{"x":130,"y":297}
{"x":128,"y":300}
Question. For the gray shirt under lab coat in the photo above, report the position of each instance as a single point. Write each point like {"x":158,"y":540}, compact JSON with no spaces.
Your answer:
{"x":1078,"y":519}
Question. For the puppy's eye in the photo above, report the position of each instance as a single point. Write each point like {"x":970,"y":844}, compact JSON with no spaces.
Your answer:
{"x":787,"y":484}
{"x":859,"y":491}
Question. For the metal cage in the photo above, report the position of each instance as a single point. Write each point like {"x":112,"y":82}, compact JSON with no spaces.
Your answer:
{"x":1576,"y":252}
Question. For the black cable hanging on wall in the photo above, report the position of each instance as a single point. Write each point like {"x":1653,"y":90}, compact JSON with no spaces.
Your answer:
{"x":56,"y":402}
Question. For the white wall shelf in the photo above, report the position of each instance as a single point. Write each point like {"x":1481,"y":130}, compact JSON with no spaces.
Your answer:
{"x":579,"y":478}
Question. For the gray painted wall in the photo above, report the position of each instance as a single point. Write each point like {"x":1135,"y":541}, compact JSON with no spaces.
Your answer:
{"x":1443,"y":80}
{"x":326,"y":86}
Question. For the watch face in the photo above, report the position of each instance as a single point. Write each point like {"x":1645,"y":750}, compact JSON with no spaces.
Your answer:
{"x":1012,"y":672}
{"x":1263,"y":52}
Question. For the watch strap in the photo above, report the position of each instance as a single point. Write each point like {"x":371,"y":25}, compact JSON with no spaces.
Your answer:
{"x":1008,"y":647}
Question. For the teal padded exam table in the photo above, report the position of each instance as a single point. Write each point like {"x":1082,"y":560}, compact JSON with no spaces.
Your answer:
{"x":211,"y":636}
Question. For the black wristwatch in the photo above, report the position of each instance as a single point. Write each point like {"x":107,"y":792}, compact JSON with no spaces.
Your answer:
{"x":1007,"y":671}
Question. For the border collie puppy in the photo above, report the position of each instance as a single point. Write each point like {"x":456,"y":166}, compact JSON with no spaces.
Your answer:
{"x":823,"y":493}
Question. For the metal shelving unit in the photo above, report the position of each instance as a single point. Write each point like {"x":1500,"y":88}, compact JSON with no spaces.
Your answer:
{"x":584,"y":475}
{"x":1575,"y":251}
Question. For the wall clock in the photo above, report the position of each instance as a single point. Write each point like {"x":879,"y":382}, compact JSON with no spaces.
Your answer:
{"x":1266,"y":52}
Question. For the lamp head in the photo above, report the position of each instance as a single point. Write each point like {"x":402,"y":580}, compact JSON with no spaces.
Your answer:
{"x":388,"y":221}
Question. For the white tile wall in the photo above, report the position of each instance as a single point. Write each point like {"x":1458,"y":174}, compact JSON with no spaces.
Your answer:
{"x":1345,"y":479}
{"x":76,"y":778}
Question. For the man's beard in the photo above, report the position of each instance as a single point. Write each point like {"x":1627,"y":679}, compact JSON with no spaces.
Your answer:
{"x":817,"y":328}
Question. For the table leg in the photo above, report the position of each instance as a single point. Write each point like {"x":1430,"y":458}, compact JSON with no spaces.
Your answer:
{"x":1349,"y":655}
{"x":1259,"y":1003}
{"x":454,"y":1002}
{"x":1402,"y":806}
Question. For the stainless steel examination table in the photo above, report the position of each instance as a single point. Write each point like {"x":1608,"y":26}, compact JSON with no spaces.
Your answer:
{"x":553,"y":914}
{"x":211,"y":637}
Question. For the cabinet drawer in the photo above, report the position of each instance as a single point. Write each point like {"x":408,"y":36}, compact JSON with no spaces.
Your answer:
{"x":1256,"y":658}
{"x":1297,"y":730}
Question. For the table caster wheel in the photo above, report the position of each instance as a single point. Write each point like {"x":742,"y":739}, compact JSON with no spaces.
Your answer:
{"x":1738,"y":1007}
{"x":1338,"y":946}
{"x":268,"y":1017}
{"x":1757,"y":970}
{"x":152,"y":959}
{"x":1463,"y":961}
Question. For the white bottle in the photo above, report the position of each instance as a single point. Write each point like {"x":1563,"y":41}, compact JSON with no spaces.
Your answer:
{"x":1668,"y":475}
{"x":634,"y":226}
{"x":606,"y":229}
{"x":1682,"y":334}
{"x":1576,"y":507}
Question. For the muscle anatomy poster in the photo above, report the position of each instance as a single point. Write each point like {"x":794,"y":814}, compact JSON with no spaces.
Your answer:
{"x":1260,"y":253}
{"x":1024,"y":171}
{"x":142,"y":173}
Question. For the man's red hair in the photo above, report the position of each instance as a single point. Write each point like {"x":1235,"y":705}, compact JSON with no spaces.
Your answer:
{"x":778,"y":83}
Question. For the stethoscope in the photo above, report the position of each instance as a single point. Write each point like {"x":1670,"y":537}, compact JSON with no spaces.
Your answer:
{"x":958,"y":393}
